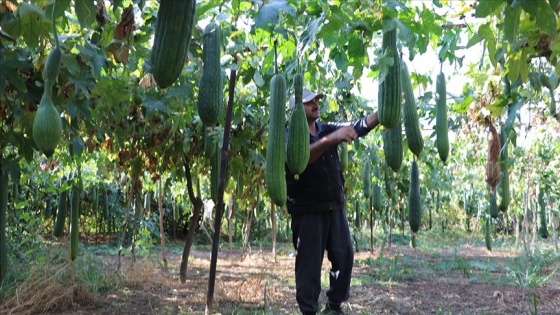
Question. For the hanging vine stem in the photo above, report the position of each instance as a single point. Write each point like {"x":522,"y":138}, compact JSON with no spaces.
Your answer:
{"x":57,"y":44}
{"x":275,"y":57}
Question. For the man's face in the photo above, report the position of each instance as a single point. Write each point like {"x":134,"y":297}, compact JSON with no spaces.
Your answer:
{"x":311,"y":109}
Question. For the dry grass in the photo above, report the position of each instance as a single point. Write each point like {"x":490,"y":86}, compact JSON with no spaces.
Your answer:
{"x":47,"y":290}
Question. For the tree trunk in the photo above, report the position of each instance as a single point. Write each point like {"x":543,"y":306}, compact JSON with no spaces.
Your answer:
{"x":161,"y":231}
{"x":193,"y":224}
{"x":230,"y":223}
{"x":247,"y":231}
{"x":221,"y":188}
{"x":478,"y":213}
{"x":273,"y":220}
{"x":3,"y":218}
{"x":516,"y":225}
{"x":554,"y":232}
{"x":534,"y":227}
{"x":525,"y":222}
{"x":371,"y":225}
{"x":123,"y":232}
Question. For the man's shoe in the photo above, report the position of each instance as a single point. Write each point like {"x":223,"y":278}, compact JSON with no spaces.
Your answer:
{"x":332,"y":309}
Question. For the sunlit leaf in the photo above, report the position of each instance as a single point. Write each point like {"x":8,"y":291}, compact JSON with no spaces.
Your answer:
{"x":32,"y":24}
{"x":486,"y":7}
{"x":257,"y":77}
{"x":267,"y":17}
{"x":546,"y":20}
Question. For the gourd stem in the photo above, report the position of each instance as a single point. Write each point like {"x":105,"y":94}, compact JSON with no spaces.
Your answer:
{"x":275,"y":58}
{"x":54,"y":25}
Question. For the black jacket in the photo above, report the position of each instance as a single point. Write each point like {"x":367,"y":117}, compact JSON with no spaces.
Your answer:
{"x":321,"y":186}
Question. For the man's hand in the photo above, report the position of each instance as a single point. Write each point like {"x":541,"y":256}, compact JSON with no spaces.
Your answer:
{"x":343,"y":134}
{"x":317,"y":148}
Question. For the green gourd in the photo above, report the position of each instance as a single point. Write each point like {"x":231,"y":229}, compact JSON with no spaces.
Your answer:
{"x":414,"y":199}
{"x":61,"y":213}
{"x":367,"y":179}
{"x":298,"y":132}
{"x":173,"y":31}
{"x":275,"y":172}
{"x":543,"y":230}
{"x":389,"y":94}
{"x":210,"y":92}
{"x":487,"y":234}
{"x":47,"y":125}
{"x":377,"y":196}
{"x":442,"y":132}
{"x":343,"y":156}
{"x":493,"y":206}
{"x":74,"y":223}
{"x":410,"y":114}
{"x":393,"y":147}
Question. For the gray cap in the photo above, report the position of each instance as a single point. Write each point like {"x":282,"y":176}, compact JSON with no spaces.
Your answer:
{"x":306,"y":97}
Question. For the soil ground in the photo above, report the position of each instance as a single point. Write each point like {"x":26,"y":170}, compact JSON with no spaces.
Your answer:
{"x":396,"y":280}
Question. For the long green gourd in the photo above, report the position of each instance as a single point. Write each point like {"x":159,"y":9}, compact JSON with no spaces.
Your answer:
{"x":275,"y":172}
{"x":389,"y":94}
{"x":61,"y":212}
{"x":393,"y":147}
{"x":210,"y":92}
{"x":298,"y":132}
{"x":414,"y":199}
{"x":410,"y":114}
{"x":74,"y":222}
{"x":47,"y":125}
{"x":174,"y":25}
{"x":442,"y":133}
{"x":367,"y":180}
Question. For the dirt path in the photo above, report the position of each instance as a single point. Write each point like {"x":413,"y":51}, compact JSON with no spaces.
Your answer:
{"x":464,"y":280}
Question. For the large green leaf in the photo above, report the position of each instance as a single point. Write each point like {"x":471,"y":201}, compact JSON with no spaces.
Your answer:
{"x":30,"y":23}
{"x":56,"y":8}
{"x":511,"y":23}
{"x":86,"y":12}
{"x":546,"y":18}
{"x":267,"y":17}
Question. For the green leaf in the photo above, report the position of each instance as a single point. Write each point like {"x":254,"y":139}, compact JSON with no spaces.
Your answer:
{"x":524,"y":68}
{"x":267,"y":17}
{"x":530,"y":6}
{"x":511,"y":23}
{"x":59,"y":8}
{"x":546,"y":20}
{"x":85,"y":11}
{"x":77,"y":146}
{"x":491,"y":46}
{"x":32,"y":24}
{"x":485,"y":8}
{"x":484,"y":33}
{"x":514,"y":67}
{"x":257,"y":77}
{"x":356,"y":48}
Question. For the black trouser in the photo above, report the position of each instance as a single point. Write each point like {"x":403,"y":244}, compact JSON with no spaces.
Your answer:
{"x":313,"y":234}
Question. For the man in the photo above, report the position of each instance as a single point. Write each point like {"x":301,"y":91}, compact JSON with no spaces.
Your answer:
{"x":316,"y":205}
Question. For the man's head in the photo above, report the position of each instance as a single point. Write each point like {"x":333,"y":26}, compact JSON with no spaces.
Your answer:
{"x":307,"y":96}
